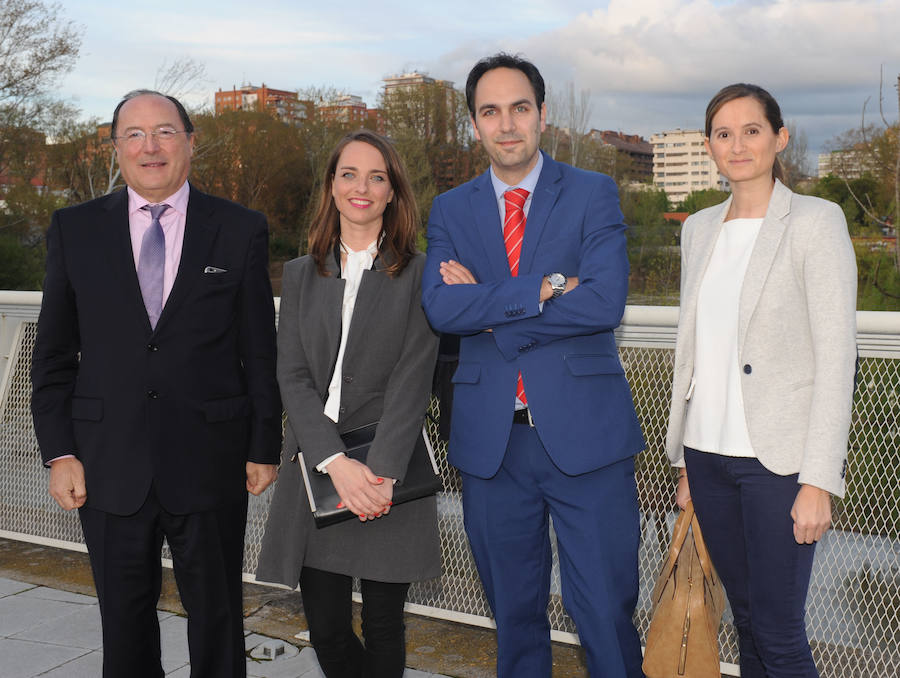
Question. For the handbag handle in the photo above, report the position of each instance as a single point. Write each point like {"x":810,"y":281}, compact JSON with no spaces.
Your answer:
{"x":679,"y":534}
{"x":700,"y":544}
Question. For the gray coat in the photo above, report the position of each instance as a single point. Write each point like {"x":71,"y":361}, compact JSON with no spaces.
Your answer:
{"x":796,"y":335}
{"x":387,"y":370}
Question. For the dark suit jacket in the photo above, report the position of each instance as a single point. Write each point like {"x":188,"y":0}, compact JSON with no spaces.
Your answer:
{"x":575,"y":384}
{"x":183,"y":406}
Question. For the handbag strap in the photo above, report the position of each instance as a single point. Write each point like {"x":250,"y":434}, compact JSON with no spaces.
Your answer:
{"x":679,"y":534}
{"x":700,"y":544}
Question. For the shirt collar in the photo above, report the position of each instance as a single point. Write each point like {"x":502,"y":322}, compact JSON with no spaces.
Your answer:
{"x":178,"y":201}
{"x":528,"y":183}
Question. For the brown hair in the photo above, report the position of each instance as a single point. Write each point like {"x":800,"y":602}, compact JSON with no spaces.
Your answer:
{"x":399,"y":223}
{"x":771,"y":109}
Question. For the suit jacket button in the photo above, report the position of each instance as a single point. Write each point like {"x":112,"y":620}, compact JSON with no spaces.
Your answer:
{"x":153,"y":395}
{"x":342,"y":409}
{"x":348,"y":379}
{"x":747,"y":369}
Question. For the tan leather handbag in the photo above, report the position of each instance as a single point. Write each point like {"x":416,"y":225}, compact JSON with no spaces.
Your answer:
{"x":688,"y":602}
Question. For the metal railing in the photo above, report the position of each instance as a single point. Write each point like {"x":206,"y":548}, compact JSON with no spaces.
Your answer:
{"x":853,"y":611}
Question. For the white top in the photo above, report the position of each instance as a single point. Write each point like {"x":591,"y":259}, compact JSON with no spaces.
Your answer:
{"x":715,"y":420}
{"x":351,"y":271}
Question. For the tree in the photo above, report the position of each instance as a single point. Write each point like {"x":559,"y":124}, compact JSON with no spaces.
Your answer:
{"x":698,"y":200}
{"x":793,"y":158}
{"x":429,"y":125}
{"x":877,"y":151}
{"x":37,"y":47}
{"x":579,"y":110}
{"x":256,"y":160}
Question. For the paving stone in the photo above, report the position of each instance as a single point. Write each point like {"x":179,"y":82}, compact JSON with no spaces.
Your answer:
{"x":25,"y":659}
{"x":9,"y":587}
{"x":251,"y":640}
{"x":173,"y":638}
{"x":88,"y":665}
{"x":80,"y":629}
{"x":19,"y":613}
{"x":46,"y":593}
{"x":302,"y":665}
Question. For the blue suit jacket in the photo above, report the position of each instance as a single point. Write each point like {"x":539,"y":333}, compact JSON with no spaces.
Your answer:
{"x":575,"y":384}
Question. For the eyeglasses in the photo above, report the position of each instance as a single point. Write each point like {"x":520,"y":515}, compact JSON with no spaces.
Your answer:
{"x":137,"y":137}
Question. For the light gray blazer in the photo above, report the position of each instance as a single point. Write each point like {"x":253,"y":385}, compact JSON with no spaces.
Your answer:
{"x":796,"y":335}
{"x":387,"y":370}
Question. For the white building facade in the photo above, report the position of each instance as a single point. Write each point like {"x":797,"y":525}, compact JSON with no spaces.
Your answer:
{"x":681,"y":164}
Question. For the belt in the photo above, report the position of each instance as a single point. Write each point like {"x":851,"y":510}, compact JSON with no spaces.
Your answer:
{"x":523,"y":416}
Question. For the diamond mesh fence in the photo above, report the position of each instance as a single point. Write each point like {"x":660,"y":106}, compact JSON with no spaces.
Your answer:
{"x":853,"y":610}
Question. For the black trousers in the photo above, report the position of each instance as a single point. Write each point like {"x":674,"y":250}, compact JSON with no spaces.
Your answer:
{"x":207,"y":554}
{"x":328,"y":607}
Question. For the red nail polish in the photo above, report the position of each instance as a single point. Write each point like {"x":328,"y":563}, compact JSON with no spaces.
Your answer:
{"x":341,"y":505}
{"x":390,"y":503}
{"x":381,"y":480}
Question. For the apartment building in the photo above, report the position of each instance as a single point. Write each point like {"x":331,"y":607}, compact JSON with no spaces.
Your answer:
{"x":284,"y":104}
{"x":681,"y":164}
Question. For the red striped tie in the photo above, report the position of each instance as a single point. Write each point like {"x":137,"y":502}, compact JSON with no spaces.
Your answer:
{"x":513,"y":233}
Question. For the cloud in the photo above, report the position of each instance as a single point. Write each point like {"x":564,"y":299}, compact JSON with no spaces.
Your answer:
{"x":653,"y":65}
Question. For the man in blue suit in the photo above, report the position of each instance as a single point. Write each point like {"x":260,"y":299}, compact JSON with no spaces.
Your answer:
{"x":527,"y":262}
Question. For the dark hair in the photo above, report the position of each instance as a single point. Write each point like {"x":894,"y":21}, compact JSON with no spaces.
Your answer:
{"x":504,"y":60}
{"x":770,"y":107}
{"x":185,"y":119}
{"x":399,"y":222}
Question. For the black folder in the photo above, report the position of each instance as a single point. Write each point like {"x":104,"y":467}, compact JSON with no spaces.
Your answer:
{"x":422,"y":476}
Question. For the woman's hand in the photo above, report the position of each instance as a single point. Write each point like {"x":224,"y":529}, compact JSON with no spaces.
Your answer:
{"x":360,"y":490}
{"x":683,"y":492}
{"x":811,"y":513}
{"x":386,"y":490}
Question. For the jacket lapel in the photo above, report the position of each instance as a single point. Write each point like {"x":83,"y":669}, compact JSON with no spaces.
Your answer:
{"x":200,"y":229}
{"x":767,"y":242}
{"x":371,"y":288}
{"x":325,"y":334}
{"x":122,"y":255}
{"x":488,"y":223}
{"x":545,"y":194}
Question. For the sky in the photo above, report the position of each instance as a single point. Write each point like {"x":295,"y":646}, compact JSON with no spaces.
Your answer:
{"x":650,"y":65}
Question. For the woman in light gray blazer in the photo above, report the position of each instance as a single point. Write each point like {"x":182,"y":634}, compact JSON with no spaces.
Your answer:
{"x":763,"y":385}
{"x":354,"y":347}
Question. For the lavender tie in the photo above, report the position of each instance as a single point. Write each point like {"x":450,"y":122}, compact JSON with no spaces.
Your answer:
{"x":152,"y":264}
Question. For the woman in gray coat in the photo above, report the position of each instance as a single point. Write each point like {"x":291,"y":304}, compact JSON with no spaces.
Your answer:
{"x":354,"y":347}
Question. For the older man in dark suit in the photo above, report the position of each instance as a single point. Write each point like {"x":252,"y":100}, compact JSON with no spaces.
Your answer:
{"x":155,"y":402}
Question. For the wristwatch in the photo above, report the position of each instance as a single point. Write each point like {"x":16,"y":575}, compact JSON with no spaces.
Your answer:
{"x":557,"y":284}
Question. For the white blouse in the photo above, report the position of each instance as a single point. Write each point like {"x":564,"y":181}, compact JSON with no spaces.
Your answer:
{"x":351,"y":271}
{"x":715,"y":420}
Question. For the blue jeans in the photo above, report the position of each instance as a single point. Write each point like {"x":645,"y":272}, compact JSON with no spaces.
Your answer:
{"x":744,"y":512}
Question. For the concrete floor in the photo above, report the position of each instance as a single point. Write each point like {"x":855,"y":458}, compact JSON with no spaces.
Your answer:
{"x":50,"y":626}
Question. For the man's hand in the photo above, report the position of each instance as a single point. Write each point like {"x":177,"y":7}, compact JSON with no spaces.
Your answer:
{"x":67,"y":483}
{"x":260,"y":476}
{"x":360,"y":490}
{"x":454,"y":273}
{"x":811,"y":513}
